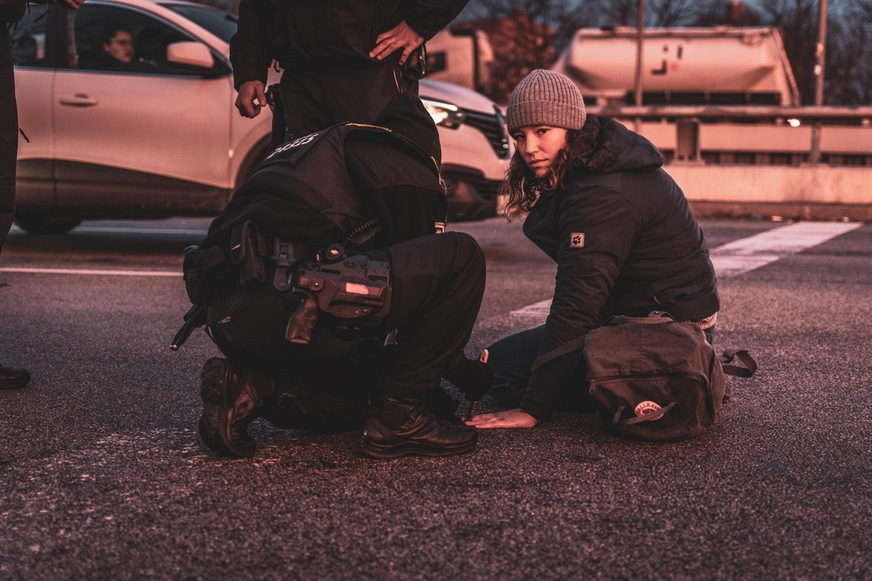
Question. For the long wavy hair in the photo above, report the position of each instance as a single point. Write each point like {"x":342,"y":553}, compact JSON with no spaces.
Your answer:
{"x":522,"y":188}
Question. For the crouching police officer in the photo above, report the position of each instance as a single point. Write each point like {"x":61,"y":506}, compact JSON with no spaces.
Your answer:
{"x":327,"y":250}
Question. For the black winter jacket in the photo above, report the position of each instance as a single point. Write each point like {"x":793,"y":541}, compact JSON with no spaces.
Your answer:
{"x":322,"y":35}
{"x":625,"y":242}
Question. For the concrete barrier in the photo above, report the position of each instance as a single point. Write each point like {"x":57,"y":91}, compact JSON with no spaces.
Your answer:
{"x":809,"y":192}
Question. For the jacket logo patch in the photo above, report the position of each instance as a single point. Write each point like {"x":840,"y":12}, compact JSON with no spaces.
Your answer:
{"x":647,"y":407}
{"x":576,"y":240}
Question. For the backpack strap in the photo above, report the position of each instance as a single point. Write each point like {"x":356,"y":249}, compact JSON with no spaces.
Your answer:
{"x":743,"y":356}
{"x":655,"y":318}
{"x":569,"y":347}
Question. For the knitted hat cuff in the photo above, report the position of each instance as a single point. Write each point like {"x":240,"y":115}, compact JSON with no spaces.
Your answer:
{"x":550,"y":113}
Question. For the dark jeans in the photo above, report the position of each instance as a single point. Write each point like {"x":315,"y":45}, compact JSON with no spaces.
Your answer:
{"x":511,"y":360}
{"x":8,"y":134}
{"x":437,"y":284}
{"x":315,"y":101}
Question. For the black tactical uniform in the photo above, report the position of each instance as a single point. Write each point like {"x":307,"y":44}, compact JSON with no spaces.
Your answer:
{"x":378,"y":195}
{"x":324,"y":49}
{"x":10,"y":11}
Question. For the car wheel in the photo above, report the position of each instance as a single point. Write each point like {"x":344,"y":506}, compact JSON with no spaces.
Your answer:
{"x":464,"y":201}
{"x":43,"y":224}
{"x":254,"y":158}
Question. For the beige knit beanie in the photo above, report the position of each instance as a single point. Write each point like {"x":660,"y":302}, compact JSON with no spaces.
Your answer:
{"x":546,"y":98}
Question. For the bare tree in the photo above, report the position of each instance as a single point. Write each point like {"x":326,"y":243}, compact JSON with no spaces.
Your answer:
{"x":847,"y":73}
{"x":797,"y":20}
{"x":564,"y":17}
{"x":520,"y":45}
{"x":848,"y":79}
{"x":619,"y":12}
{"x":720,"y":12}
{"x":658,"y":13}
{"x":667,"y":13}
{"x":526,"y":34}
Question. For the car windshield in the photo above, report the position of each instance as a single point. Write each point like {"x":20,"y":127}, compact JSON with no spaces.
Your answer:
{"x":221,"y":24}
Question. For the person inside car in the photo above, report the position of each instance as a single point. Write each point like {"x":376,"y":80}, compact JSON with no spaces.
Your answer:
{"x":117,"y":52}
{"x":119,"y":46}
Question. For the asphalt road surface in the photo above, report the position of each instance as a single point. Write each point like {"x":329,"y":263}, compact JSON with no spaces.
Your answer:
{"x":102,"y":475}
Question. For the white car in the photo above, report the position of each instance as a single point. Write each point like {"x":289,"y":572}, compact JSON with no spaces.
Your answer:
{"x":127,"y":107}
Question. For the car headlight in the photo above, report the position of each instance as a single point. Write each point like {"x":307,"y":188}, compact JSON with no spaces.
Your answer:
{"x":444,"y":114}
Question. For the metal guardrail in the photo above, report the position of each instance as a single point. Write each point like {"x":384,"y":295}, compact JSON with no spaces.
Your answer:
{"x":861,"y":113}
{"x":689,"y":118}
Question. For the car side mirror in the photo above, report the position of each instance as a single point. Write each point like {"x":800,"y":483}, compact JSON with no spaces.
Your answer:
{"x":191,"y":55}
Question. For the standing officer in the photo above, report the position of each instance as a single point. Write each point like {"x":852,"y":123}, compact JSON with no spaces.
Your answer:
{"x":11,"y":11}
{"x":343,"y":59}
{"x":325,"y":250}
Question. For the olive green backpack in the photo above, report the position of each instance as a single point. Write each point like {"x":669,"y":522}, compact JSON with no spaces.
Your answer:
{"x":656,"y":379}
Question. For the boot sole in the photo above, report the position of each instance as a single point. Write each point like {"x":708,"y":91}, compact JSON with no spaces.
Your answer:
{"x":212,"y":393}
{"x":224,"y":413}
{"x":380,"y":451}
{"x":21,"y":381}
{"x":18,"y":384}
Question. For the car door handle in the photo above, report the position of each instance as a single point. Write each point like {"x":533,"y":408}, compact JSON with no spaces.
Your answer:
{"x":77,"y":100}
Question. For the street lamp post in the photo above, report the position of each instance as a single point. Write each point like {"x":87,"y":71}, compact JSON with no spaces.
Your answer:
{"x":640,"y":33}
{"x":820,"y":62}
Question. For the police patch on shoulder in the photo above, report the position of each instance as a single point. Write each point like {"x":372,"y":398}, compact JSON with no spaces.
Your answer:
{"x":576,"y":240}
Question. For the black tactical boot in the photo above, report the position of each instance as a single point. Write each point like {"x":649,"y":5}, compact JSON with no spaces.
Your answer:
{"x":13,"y":377}
{"x":233,"y":396}
{"x":399,"y":427}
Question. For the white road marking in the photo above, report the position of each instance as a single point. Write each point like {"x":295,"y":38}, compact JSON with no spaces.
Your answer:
{"x":749,"y":253}
{"x":117,"y":230}
{"x":92,"y":272}
{"x":542,"y":308}
{"x":127,"y":230}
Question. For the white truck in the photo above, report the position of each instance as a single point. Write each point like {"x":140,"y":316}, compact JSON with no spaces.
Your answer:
{"x":681,"y":66}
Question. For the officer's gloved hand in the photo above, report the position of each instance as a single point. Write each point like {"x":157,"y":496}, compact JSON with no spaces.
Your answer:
{"x":472,"y":377}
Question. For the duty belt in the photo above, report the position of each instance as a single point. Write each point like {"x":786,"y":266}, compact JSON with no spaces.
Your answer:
{"x":355,"y":290}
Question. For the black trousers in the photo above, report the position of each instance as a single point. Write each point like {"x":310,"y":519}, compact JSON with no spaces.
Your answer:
{"x":437,"y":285}
{"x":8,"y":134}
{"x":314,"y":101}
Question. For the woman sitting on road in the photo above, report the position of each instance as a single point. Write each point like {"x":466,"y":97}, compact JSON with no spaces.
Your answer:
{"x":620,"y":229}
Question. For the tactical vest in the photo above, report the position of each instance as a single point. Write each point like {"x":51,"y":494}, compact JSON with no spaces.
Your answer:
{"x":310,"y":174}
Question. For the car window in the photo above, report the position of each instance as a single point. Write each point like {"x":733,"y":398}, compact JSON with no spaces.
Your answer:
{"x":108,"y":38}
{"x":28,"y":39}
{"x":221,"y":24}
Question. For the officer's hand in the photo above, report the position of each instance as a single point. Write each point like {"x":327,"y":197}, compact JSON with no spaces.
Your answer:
{"x":251,"y":98}
{"x":402,"y":36}
{"x":516,"y":418}
{"x":72,"y":4}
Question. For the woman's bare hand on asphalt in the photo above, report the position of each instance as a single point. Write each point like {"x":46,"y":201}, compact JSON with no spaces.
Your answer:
{"x":516,"y":418}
